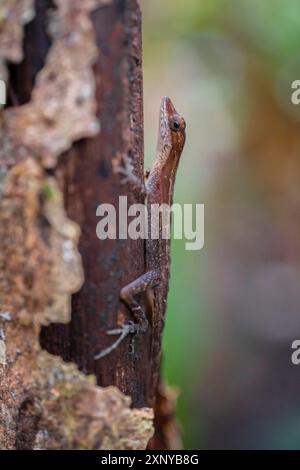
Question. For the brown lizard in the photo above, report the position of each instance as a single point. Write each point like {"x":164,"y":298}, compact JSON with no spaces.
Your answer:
{"x":158,"y":190}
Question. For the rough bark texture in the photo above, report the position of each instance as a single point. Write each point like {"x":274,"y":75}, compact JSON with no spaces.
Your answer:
{"x":88,"y":176}
{"x":44,"y":402}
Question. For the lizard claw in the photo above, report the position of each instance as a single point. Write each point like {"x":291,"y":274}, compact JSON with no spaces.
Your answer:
{"x":123,"y":331}
{"x":116,"y":331}
{"x":129,"y":328}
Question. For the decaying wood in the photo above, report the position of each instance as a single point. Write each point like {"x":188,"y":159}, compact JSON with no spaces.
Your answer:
{"x":87,"y":174}
{"x":167,"y":434}
{"x":45,"y":402}
{"x":14,"y":14}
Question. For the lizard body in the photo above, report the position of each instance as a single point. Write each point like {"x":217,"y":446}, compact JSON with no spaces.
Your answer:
{"x":159,"y":190}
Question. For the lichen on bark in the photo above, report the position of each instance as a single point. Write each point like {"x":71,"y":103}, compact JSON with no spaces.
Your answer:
{"x":14,"y":14}
{"x":62,"y":107}
{"x":44,"y":402}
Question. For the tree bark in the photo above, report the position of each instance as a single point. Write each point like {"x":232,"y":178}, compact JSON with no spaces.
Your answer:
{"x":54,"y":159}
{"x":87,"y":177}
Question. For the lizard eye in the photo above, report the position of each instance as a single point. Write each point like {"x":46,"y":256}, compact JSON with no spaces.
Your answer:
{"x":175,"y":125}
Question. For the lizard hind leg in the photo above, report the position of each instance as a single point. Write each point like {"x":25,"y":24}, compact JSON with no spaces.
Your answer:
{"x":127,"y":294}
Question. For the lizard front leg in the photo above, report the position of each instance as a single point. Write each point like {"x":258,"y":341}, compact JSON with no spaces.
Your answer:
{"x":127,"y":294}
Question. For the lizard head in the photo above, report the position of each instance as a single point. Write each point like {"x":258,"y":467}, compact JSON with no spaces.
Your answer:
{"x":172,"y":127}
{"x":171,"y":139}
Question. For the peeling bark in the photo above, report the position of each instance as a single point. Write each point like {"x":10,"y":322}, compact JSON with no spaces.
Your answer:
{"x":62,"y":107}
{"x":14,"y":14}
{"x":45,"y":403}
{"x":87,"y":176}
{"x":167,"y":434}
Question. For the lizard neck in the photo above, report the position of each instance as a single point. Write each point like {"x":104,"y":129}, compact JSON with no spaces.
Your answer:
{"x":162,"y":178}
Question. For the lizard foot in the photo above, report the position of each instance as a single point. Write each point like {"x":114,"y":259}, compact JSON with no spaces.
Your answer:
{"x":123,"y":331}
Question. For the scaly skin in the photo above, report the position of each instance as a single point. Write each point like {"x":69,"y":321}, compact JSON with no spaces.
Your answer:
{"x":159,"y":190}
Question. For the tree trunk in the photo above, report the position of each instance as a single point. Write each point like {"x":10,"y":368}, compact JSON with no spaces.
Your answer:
{"x":87,"y":176}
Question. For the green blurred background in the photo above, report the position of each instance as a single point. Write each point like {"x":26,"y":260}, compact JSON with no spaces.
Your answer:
{"x":234,"y":307}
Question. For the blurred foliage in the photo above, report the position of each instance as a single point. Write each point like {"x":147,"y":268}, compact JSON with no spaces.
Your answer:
{"x":271,"y":26}
{"x":215,"y":58}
